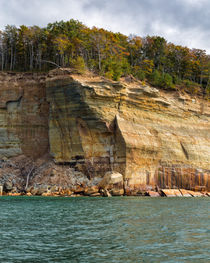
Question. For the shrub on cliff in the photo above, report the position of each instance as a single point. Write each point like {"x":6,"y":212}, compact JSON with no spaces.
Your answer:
{"x":114,"y":69}
{"x":78,"y":64}
{"x":167,"y":81}
{"x":191,"y":87}
{"x":138,"y":73}
{"x":208,"y":90}
{"x":161,"y":80}
{"x":156,"y":78}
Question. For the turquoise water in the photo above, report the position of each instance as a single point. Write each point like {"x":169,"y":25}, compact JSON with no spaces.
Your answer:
{"x":121,"y":229}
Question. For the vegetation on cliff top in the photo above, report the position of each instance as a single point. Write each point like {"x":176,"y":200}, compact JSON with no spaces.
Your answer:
{"x":72,"y":44}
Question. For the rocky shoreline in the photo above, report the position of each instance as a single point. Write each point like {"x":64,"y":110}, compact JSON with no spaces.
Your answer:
{"x":112,"y":184}
{"x":90,"y":192}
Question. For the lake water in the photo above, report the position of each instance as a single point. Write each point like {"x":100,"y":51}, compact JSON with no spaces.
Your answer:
{"x":121,"y":229}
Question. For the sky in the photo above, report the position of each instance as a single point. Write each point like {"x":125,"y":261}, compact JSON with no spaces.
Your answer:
{"x":183,"y":22}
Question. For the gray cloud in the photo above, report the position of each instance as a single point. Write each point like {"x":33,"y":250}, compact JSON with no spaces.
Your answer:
{"x":184,"y":22}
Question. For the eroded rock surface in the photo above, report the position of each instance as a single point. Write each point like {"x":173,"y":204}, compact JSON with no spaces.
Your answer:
{"x":93,"y":126}
{"x":23,"y":115}
{"x":152,"y":138}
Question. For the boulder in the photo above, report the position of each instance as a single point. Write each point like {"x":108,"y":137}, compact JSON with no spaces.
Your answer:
{"x":170,"y":192}
{"x":91,"y":190}
{"x":41,"y":191}
{"x":128,"y":192}
{"x":46,"y":194}
{"x":185,"y":193}
{"x":151,"y":92}
{"x":199,"y":188}
{"x":68,"y":192}
{"x":14,"y":194}
{"x":95,"y":195}
{"x":195,"y":194}
{"x":152,"y":194}
{"x":110,"y":180}
{"x":33,"y":191}
{"x":105,"y":193}
{"x":8,"y":186}
{"x":54,"y":189}
{"x":117,"y":192}
{"x":79,"y":190}
{"x":61,"y":192}
{"x":28,"y":189}
{"x":38,"y":190}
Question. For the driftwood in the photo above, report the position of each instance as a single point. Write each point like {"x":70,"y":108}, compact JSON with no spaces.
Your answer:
{"x":28,"y":177}
{"x":50,"y":62}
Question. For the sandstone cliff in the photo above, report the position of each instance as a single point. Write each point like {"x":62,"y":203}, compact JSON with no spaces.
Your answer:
{"x":92,"y":125}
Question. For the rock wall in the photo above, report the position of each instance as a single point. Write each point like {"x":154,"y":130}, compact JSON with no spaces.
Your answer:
{"x":23,"y":115}
{"x":153,"y":138}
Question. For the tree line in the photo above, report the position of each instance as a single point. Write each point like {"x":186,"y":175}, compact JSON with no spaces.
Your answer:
{"x":72,"y":44}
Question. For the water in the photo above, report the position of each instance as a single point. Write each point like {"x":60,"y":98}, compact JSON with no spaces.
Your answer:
{"x":121,"y":229}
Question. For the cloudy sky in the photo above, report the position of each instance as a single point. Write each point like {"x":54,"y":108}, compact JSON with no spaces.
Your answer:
{"x":185,"y":22}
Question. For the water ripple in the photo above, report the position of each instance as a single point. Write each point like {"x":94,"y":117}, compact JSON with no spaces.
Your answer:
{"x":124,"y":229}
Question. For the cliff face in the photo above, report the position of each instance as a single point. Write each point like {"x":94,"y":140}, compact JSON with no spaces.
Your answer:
{"x":152,"y":138}
{"x":23,"y":115}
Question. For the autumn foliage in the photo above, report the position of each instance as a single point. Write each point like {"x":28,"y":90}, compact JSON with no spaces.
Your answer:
{"x":72,"y":44}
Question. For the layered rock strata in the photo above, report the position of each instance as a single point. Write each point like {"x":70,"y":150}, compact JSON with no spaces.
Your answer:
{"x":155,"y":139}
{"x":23,"y":115}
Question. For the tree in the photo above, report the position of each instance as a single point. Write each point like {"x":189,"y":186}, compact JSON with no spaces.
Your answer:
{"x":110,"y":54}
{"x":2,"y":50}
{"x":78,"y":64}
{"x":10,"y":39}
